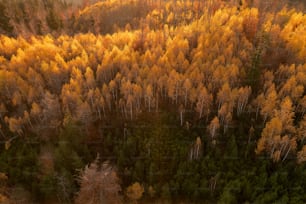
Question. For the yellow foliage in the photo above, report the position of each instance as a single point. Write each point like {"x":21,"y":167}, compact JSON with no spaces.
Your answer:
{"x":3,"y":199}
{"x":151,"y":191}
{"x":134,"y":191}
{"x":3,"y":176}
{"x":294,"y":34}
{"x":7,"y":145}
{"x":301,"y":155}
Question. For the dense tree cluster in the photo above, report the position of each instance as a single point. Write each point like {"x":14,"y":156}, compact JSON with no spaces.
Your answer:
{"x":183,"y":92}
{"x":40,"y":17}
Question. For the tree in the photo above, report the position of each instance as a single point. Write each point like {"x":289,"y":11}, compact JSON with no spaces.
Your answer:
{"x":275,"y":142}
{"x":204,"y":102}
{"x":129,"y":102}
{"x":151,"y":191}
{"x":302,"y":106}
{"x":71,"y":97}
{"x":301,"y":131}
{"x":54,"y":22}
{"x":301,"y":155}
{"x":195,"y":151}
{"x":269,"y":103}
{"x":250,"y":23}
{"x":3,"y":188}
{"x":187,"y":86}
{"x":292,"y":88}
{"x":292,"y":32}
{"x":97,"y":102}
{"x":273,"y":128}
{"x":227,"y":121}
{"x":113,"y":89}
{"x":222,"y":113}
{"x":138,"y":94}
{"x":107,"y":96}
{"x":98,"y":184}
{"x":84,"y":113}
{"x":286,"y":115}
{"x":223,"y":95}
{"x":36,"y":112}
{"x":258,"y":103}
{"x":51,"y":110}
{"x":181,"y":110}
{"x":90,"y":79}
{"x":174,"y":85}
{"x":243,"y":97}
{"x":214,"y":127}
{"x":134,"y":192}
{"x":5,"y":20}
{"x":15,"y":125}
{"x":149,"y":95}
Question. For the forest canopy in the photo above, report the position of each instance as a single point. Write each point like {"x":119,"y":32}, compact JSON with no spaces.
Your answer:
{"x":152,"y":101}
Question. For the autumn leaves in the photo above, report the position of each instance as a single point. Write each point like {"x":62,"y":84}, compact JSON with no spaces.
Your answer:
{"x":201,"y":68}
{"x":284,"y":110}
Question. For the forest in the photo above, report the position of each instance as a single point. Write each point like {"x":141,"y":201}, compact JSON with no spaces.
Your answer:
{"x":143,"y":101}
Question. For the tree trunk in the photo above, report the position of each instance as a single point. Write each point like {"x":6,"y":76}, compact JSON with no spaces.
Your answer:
{"x":156,"y":105}
{"x":131,"y":111}
{"x":186,"y":93}
{"x":201,"y":109}
{"x":286,"y":153}
{"x":181,"y":116}
{"x":99,"y":113}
